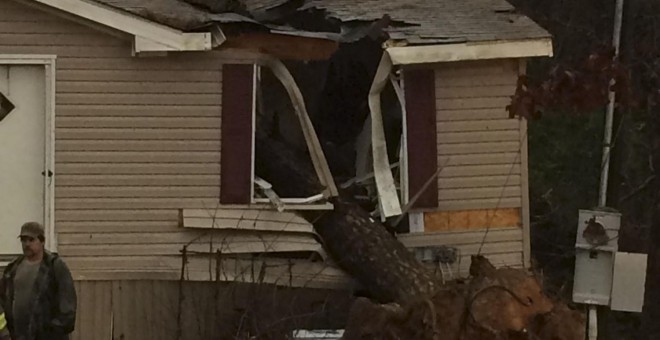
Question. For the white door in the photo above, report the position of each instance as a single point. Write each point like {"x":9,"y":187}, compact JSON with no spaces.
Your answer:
{"x":22,"y":149}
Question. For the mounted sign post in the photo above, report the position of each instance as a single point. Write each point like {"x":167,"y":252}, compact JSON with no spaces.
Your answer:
{"x":604,"y":276}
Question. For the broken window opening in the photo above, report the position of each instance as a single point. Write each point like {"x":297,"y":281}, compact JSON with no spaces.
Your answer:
{"x":336,"y":94}
{"x":339,"y":110}
{"x":275,"y":119}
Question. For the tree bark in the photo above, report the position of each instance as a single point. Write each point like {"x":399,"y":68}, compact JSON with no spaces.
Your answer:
{"x":364,"y":248}
{"x":360,"y":245}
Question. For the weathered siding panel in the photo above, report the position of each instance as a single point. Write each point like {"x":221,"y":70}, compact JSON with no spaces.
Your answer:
{"x":247,"y":269}
{"x":478,"y":145}
{"x":142,"y":310}
{"x":502,"y":246}
{"x":137,"y":302}
{"x":169,"y":310}
{"x":483,"y":155}
{"x":250,"y":220}
{"x":135,"y":203}
{"x":94,"y":316}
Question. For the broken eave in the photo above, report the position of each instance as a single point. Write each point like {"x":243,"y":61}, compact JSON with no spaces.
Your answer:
{"x":499,"y":49}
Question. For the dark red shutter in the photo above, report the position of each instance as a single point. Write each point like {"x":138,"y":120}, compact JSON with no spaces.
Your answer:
{"x":236,"y":150}
{"x":419,"y":85}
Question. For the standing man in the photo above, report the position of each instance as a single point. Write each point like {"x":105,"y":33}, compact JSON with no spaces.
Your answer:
{"x":37,"y":291}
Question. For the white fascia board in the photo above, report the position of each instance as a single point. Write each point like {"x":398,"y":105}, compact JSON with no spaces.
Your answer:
{"x":149,"y":36}
{"x":407,"y":55}
{"x":142,"y":44}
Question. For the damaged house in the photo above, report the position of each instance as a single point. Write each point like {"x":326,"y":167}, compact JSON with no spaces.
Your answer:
{"x":144,"y":135}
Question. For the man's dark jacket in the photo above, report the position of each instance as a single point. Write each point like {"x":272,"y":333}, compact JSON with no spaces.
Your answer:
{"x":53,"y":305}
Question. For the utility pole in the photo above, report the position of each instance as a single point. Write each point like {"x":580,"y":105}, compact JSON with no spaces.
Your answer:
{"x":607,"y":140}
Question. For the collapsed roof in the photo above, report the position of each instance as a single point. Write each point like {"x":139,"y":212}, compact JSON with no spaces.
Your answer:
{"x":412,"y":22}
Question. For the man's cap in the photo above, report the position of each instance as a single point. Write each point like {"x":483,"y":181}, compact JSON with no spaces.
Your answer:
{"x":32,"y":229}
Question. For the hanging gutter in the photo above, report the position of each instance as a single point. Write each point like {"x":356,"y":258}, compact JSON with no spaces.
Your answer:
{"x":388,"y":198}
{"x":406,"y":55}
{"x":149,"y":36}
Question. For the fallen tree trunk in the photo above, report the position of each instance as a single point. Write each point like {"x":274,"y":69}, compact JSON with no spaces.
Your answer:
{"x":365,"y":249}
{"x":361,"y":245}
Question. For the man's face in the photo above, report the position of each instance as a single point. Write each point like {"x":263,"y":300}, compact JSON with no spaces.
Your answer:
{"x":31,"y":246}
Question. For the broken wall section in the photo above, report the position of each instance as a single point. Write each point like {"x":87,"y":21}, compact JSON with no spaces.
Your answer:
{"x":336,"y":94}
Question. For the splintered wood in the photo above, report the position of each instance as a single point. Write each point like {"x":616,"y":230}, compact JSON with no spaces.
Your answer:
{"x":497,"y":304}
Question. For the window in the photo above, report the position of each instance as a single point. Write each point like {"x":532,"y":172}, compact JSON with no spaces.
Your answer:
{"x":267,"y":98}
{"x":255,"y":97}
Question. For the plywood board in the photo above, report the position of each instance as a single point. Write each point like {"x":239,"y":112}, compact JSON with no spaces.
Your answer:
{"x":472,"y":219}
{"x":426,"y":239}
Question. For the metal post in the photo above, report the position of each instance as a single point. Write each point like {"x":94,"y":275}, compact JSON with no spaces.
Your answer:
{"x":609,"y":115}
{"x":593,"y":323}
{"x":607,"y":140}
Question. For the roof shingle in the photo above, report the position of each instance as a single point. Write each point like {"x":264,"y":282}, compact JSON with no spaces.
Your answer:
{"x":430,"y":21}
{"x":416,"y":21}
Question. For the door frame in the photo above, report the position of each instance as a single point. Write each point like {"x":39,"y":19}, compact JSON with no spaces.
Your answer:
{"x":48,"y":62}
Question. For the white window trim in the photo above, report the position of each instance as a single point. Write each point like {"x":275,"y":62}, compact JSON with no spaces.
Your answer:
{"x":399,"y":89}
{"x":48,"y":62}
{"x":256,"y":80}
{"x":148,"y":36}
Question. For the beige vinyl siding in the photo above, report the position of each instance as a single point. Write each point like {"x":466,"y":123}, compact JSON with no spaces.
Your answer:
{"x":94,"y":310}
{"x":478,"y":145}
{"x":135,"y":310}
{"x":502,"y":246}
{"x":146,"y":310}
{"x":249,"y":220}
{"x":138,"y":310}
{"x":248,"y":269}
{"x":137,"y":139}
{"x":141,"y":310}
{"x":483,"y":155}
